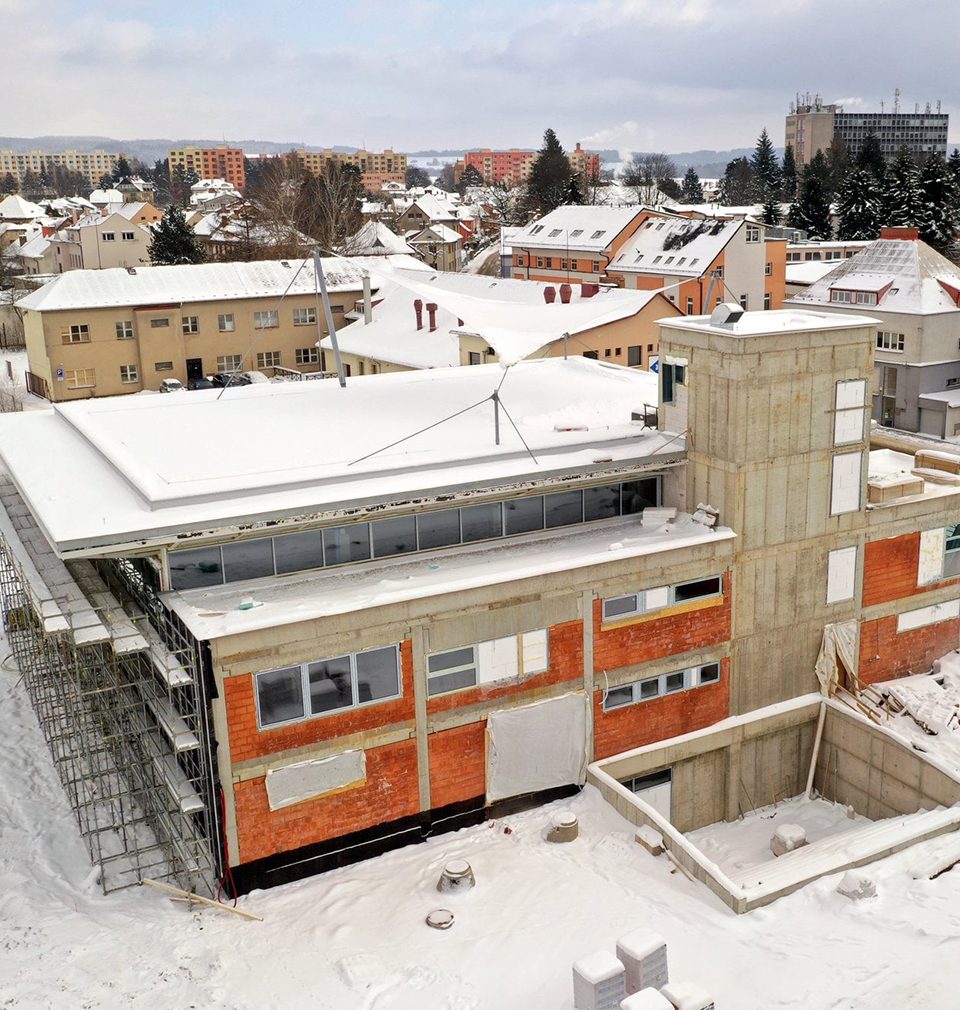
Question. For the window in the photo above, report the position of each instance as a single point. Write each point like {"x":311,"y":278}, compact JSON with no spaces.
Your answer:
{"x":606,"y":352}
{"x":266,"y":320}
{"x":718,"y":273}
{"x":225,"y":322}
{"x":554,"y":232}
{"x":109,"y":236}
{"x":127,"y":236}
{"x":744,"y":301}
{"x":548,"y":262}
{"x":488,"y":662}
{"x":768,"y":269}
{"x":80,"y":378}
{"x":689,"y":306}
{"x":79,"y":333}
{"x":598,"y":234}
{"x":766,"y":301}
{"x":328,"y":685}
{"x":576,"y":233}
{"x":648,"y":600}
{"x":129,"y":373}
{"x":307,"y":355}
{"x":190,"y":324}
{"x":634,"y":354}
{"x":853,"y":297}
{"x":672,"y":375}
{"x":473,"y":358}
{"x":660,"y":686}
{"x":452,"y":670}
{"x":595,"y":266}
{"x":305,"y":317}
{"x":125,"y":330}
{"x":229,"y":363}
{"x":163,"y":366}
{"x":951,"y":552}
{"x":268,"y":359}
{"x":157,"y":324}
{"x":753,"y":234}
{"x":889,"y":341}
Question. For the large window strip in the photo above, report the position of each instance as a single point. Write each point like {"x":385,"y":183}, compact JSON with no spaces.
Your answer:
{"x":660,"y":686}
{"x":646,"y":601}
{"x":340,"y":545}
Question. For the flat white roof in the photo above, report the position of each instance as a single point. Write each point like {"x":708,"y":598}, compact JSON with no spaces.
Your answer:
{"x":752,"y":324}
{"x":195,"y":282}
{"x":215,"y":612}
{"x":121,"y":470}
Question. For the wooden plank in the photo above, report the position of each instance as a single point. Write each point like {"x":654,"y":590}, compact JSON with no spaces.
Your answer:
{"x":191,"y":898}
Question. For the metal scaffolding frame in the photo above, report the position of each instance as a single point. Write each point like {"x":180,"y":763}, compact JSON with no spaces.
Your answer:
{"x":118,"y":687}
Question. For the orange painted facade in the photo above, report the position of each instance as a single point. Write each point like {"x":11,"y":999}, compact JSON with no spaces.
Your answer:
{"x":211,"y":163}
{"x":513,"y":166}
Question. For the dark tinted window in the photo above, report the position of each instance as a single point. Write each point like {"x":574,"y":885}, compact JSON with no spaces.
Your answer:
{"x":330,"y":684}
{"x":649,"y":688}
{"x":618,"y":696}
{"x":347,"y":543}
{"x":394,"y":536}
{"x":439,"y":529}
{"x":481,"y":522}
{"x":298,"y":551}
{"x":196,"y":568}
{"x":696,"y":590}
{"x":248,"y":559}
{"x":601,"y":502}
{"x":523,"y":515}
{"x":377,"y":675}
{"x":638,"y":494}
{"x":709,"y":673}
{"x":563,"y":508}
{"x":280,"y":695}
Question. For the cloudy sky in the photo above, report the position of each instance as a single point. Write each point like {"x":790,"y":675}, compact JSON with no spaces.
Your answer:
{"x":629,"y":74}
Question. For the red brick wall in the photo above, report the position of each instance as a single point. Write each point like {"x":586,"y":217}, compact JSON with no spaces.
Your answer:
{"x":247,"y":741}
{"x":651,"y":721}
{"x":390,"y":791}
{"x":566,"y":663}
{"x":890,"y":569}
{"x":648,"y":638}
{"x":884,"y":654}
{"x":458,"y":764}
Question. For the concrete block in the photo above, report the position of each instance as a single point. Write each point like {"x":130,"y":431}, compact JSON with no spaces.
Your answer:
{"x":901,"y":764}
{"x":902,"y":798}
{"x":939,"y":787}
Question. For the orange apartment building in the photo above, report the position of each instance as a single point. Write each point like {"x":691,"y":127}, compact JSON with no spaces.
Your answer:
{"x":513,"y":167}
{"x":211,"y":163}
{"x":359,"y":642}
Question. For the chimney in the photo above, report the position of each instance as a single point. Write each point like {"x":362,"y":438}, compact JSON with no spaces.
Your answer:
{"x":550,"y":294}
{"x":906,"y":234}
{"x":432,"y":312}
{"x":418,"y":308}
{"x":565,"y":292}
{"x":459,"y":322}
{"x":367,"y":301}
{"x":589,"y":289}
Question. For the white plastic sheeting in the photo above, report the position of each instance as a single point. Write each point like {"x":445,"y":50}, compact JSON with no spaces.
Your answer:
{"x":930,"y":568}
{"x":845,"y":490}
{"x":839,"y":646}
{"x":922,"y":616}
{"x":537,"y":747}
{"x":295,"y":783}
{"x":841,"y":574}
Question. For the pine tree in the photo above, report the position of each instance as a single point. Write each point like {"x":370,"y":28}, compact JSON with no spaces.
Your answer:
{"x":810,"y":210}
{"x":549,"y":183}
{"x":771,"y":212}
{"x":122,"y":170}
{"x":766,"y":169}
{"x":174,"y":241}
{"x":838,"y":163}
{"x":9,"y":184}
{"x":902,"y":199}
{"x":738,"y":185}
{"x":953,"y":163}
{"x":691,"y":191}
{"x":574,"y":192}
{"x":789,"y":174}
{"x":871,"y":157}
{"x":859,"y":207}
{"x":939,"y":217}
{"x":471,"y":177}
{"x":28,"y":184}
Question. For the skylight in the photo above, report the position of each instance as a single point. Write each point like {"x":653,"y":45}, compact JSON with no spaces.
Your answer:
{"x":538,"y":228}
{"x":576,"y":233}
{"x":555,"y":232}
{"x":597,"y":234}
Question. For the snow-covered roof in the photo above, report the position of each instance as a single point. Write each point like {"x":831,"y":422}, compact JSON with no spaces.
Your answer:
{"x":15,"y":208}
{"x":511,"y":315}
{"x":808,"y":271}
{"x":911,"y":271}
{"x":34,"y":248}
{"x":507,"y":236}
{"x":677,"y":246}
{"x":129,"y":210}
{"x":106,"y":196}
{"x":376,"y":239}
{"x":752,"y":324}
{"x":434,"y":209}
{"x":132,"y":468}
{"x":201,"y":282}
{"x":951,"y":397}
{"x":434,"y":232}
{"x":590,"y":228}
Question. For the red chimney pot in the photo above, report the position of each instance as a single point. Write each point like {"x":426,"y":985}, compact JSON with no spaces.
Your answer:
{"x":565,"y":292}
{"x":432,"y":313}
{"x":906,"y":234}
{"x":550,"y":295}
{"x":588,"y":289}
{"x":418,"y":308}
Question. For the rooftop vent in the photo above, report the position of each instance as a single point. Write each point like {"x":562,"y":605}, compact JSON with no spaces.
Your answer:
{"x":726,"y":314}
{"x":132,"y":271}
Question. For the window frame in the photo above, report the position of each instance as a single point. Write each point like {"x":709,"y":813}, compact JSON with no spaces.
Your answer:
{"x":266,"y":319}
{"x":305,"y":316}
{"x":306,"y":356}
{"x":124,"y":329}
{"x":305,"y":686}
{"x":76,"y":333}
{"x":73,"y":383}
{"x":641,"y":607}
{"x":692,"y":678}
{"x":132,"y":376}
{"x":265,"y":359}
{"x":222,"y":322}
{"x":223,"y":368}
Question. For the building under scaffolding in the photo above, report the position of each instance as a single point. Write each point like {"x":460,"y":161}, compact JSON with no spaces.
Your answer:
{"x":116,"y":684}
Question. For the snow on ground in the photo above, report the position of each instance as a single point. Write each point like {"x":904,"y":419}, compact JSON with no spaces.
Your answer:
{"x":18,"y":364}
{"x":740,"y":845}
{"x":354,"y":939}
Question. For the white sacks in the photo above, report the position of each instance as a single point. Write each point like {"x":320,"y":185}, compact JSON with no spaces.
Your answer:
{"x":646,"y":999}
{"x":787,"y":838}
{"x":598,"y":982}
{"x":644,"y":958}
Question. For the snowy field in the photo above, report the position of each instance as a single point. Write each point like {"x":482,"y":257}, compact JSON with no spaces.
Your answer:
{"x":742,"y":844}
{"x":354,"y":939}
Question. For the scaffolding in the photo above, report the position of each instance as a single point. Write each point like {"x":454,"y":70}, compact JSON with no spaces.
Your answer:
{"x":117,"y":685}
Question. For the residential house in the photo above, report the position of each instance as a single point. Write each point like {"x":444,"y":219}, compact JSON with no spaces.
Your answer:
{"x":92,"y":333}
{"x":438,"y":246}
{"x":376,"y":239}
{"x":913,"y":293}
{"x":426,"y":211}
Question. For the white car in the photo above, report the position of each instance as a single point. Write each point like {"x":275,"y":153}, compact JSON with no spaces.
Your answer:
{"x":171,"y":386}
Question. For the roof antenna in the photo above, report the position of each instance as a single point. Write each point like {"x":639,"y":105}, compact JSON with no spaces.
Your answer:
{"x":324,"y":299}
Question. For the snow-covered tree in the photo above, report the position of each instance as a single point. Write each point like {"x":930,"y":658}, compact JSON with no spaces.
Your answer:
{"x":768,"y":175}
{"x":738,"y":185}
{"x":902,"y":199}
{"x":549,"y":183}
{"x":859,"y":206}
{"x":174,"y":241}
{"x":940,"y":214}
{"x":810,"y":210}
{"x":789,"y":174}
{"x":691,"y":191}
{"x":871,"y":157}
{"x":771,"y":211}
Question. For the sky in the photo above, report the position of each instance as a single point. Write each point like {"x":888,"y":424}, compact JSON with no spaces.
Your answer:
{"x":672,"y":75}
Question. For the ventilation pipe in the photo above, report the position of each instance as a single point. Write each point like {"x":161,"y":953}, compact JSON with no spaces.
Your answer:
{"x":565,"y":292}
{"x":418,"y":309}
{"x":367,"y":301}
{"x":432,"y":313}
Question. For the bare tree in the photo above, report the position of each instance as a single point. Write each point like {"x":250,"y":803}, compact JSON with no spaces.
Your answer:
{"x":506,"y":202}
{"x":644,"y":173}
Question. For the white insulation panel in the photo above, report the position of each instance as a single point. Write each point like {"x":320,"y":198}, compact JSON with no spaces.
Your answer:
{"x":306,"y":779}
{"x":841,"y":574}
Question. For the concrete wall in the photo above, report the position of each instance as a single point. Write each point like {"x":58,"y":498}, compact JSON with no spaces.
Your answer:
{"x":875,"y":773}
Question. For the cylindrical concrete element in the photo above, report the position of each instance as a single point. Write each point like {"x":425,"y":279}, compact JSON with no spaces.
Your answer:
{"x":457,"y":875}
{"x":564,"y":827}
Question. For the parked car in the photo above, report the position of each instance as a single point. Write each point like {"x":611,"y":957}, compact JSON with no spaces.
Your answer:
{"x":254,"y":377}
{"x":171,"y":386}
{"x":200,"y":384}
{"x":221,"y":379}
